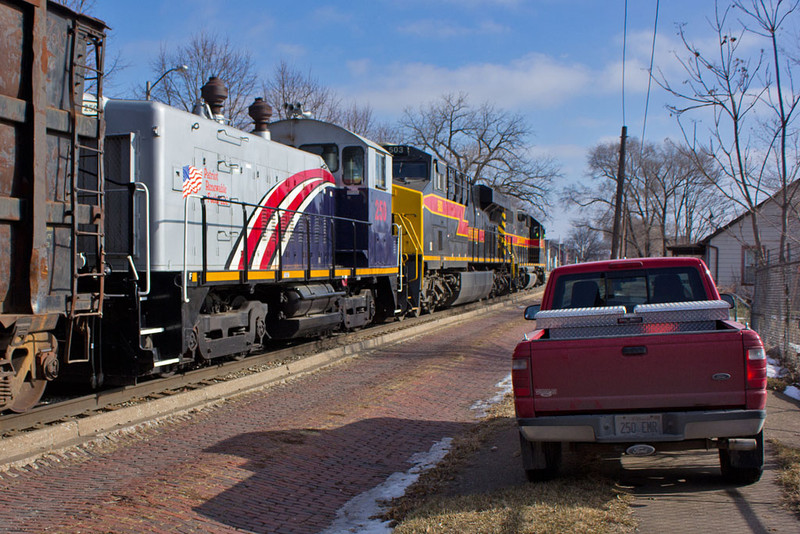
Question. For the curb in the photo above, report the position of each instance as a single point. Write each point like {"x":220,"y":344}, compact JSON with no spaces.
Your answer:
{"x":27,"y":446}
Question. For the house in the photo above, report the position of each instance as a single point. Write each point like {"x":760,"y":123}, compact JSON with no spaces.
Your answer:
{"x":730,"y":251}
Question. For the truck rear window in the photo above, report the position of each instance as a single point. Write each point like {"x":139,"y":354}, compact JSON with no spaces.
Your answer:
{"x":628,"y":288}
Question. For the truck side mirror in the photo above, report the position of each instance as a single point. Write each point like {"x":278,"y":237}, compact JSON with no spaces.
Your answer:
{"x":732,"y":303}
{"x":531,"y":311}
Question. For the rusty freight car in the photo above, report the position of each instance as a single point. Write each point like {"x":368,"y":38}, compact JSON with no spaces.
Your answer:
{"x":52,"y":263}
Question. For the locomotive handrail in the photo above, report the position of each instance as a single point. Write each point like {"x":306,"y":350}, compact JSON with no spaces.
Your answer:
{"x":184,"y":272}
{"x":142,"y":187}
{"x":278,"y":229}
{"x":412,"y":235}
{"x":399,"y":256}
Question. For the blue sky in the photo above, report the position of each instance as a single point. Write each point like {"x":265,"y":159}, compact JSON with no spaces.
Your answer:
{"x":557,"y":62}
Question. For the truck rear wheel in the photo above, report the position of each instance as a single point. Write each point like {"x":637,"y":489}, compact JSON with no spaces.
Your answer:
{"x":540,"y":459}
{"x":743,"y":467}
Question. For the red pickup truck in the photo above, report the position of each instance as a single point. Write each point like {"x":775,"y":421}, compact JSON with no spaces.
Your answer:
{"x":637,"y":357}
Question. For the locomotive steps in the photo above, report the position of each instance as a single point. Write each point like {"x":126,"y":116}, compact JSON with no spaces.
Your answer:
{"x":26,"y":446}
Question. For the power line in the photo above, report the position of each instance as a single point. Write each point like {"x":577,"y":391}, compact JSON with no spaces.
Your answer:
{"x":650,"y":77}
{"x":616,"y":233}
{"x":624,"y":46}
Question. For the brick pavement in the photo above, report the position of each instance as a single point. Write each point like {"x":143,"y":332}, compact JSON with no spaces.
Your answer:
{"x":684,"y":492}
{"x":282,"y":460}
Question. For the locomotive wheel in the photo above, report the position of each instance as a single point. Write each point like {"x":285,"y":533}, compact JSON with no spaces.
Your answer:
{"x":26,"y":387}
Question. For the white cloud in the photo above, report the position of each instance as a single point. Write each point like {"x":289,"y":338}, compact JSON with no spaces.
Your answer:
{"x":359,"y":67}
{"x":534,"y":81}
{"x":291,"y":51}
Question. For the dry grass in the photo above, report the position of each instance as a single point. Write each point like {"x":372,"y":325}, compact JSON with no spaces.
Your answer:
{"x":578,"y":503}
{"x":789,"y":476}
{"x":564,"y":505}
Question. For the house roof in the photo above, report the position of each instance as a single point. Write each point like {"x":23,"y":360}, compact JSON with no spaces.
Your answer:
{"x":738,"y":219}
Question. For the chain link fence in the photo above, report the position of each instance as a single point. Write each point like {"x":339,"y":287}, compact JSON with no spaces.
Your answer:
{"x":775,"y":312}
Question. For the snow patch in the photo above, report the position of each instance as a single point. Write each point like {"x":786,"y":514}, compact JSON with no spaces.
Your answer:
{"x":774,"y":370}
{"x":482,"y":406}
{"x":793,"y":392}
{"x":358,"y":514}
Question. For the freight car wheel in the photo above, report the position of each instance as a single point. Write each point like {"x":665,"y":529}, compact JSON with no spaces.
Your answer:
{"x":27,"y":384}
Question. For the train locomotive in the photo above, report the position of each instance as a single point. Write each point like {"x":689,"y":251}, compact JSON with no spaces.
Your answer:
{"x":461,"y":241}
{"x":138,"y":239}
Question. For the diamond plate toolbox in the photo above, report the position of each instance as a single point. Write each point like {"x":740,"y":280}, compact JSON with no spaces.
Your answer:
{"x":606,"y":321}
{"x":683,"y":312}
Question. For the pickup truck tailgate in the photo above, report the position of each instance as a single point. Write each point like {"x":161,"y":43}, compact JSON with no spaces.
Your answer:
{"x":658,"y":371}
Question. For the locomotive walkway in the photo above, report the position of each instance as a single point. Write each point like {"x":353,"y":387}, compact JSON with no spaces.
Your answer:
{"x":281,"y":460}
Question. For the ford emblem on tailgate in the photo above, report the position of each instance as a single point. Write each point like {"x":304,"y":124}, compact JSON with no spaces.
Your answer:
{"x":721,"y":376}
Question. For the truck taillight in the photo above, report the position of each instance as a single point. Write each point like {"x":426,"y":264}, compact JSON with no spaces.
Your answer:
{"x":756,"y":368}
{"x":520,"y":372}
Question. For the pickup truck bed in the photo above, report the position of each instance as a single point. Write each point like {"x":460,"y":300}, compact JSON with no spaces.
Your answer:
{"x":642,"y":376}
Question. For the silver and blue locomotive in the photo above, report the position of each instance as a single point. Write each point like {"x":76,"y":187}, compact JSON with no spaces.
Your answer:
{"x":270,"y":242}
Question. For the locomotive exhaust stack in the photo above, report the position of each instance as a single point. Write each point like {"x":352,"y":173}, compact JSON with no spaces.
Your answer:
{"x":215,"y":93}
{"x":261,"y":113}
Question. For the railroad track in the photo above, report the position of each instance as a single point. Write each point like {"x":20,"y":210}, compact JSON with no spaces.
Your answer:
{"x":109,"y":400}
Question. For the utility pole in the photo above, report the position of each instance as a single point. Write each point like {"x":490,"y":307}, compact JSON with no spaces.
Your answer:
{"x":615,"y":235}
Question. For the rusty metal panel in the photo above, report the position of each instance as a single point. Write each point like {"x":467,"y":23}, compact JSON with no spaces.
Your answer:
{"x":35,"y":250}
{"x":12,"y":43}
{"x":16,"y":162}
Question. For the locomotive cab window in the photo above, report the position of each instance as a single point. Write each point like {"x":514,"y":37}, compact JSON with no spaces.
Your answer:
{"x":329,"y":152}
{"x":380,"y":171}
{"x":353,"y":165}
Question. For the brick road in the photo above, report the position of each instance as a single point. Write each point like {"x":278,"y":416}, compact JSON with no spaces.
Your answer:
{"x":282,"y":460}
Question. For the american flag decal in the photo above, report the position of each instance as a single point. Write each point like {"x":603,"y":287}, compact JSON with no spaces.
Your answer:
{"x":192,"y":180}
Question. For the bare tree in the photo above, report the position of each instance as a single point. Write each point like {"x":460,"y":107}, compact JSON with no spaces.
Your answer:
{"x":487,"y":144}
{"x":768,"y":16}
{"x":666,"y":197}
{"x":586,"y":244}
{"x":290,"y":87}
{"x":721,"y":84}
{"x":206,"y":55}
{"x":290,"y":91}
{"x":79,"y":6}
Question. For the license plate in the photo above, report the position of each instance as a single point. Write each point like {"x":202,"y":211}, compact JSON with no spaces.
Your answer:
{"x":638,"y":425}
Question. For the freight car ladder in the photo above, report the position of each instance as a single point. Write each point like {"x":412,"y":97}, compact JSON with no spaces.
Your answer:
{"x":87,"y":195}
